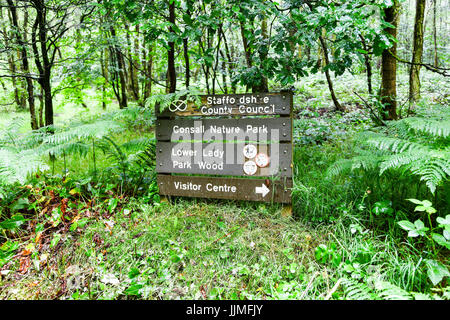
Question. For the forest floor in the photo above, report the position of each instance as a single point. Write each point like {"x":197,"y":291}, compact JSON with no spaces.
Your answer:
{"x":111,"y":246}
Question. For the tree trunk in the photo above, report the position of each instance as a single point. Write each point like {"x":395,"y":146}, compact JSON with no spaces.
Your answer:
{"x":224,"y":73}
{"x":368,"y":64}
{"x":219,"y":39}
{"x":436,"y":62}
{"x":41,"y":108}
{"x":45,"y":66}
{"x":247,"y":52}
{"x":389,"y":67}
{"x":263,"y":51}
{"x":186,"y":51}
{"x":10,"y":55}
{"x":230,"y":62}
{"x":123,"y":102}
{"x":414,"y":80}
{"x":136,"y":65}
{"x":337,"y":105}
{"x":102,"y":66}
{"x":171,"y":72}
{"x":148,"y":63}
{"x":186,"y":62}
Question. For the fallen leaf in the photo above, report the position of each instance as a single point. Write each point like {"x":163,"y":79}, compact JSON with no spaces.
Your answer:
{"x":25,"y":264}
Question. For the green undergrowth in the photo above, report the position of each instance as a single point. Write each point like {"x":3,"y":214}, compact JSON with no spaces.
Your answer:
{"x":94,"y":227}
{"x":197,"y":249}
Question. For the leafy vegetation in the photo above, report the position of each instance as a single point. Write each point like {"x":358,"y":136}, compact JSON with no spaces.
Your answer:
{"x":80,"y":212}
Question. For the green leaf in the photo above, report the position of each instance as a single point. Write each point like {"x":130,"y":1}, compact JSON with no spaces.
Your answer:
{"x":382,"y":207}
{"x":441,"y":240}
{"x":444,"y":221}
{"x":406,"y":225}
{"x":134,"y":272}
{"x":415,"y":201}
{"x":414,"y":230}
{"x":13,"y":223}
{"x":20,"y":204}
{"x":175,"y":258}
{"x":134,"y":290}
{"x":55,"y":240}
{"x":9,"y":246}
{"x":436,"y":271}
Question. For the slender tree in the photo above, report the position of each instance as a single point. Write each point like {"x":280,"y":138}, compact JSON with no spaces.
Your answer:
{"x":389,"y":65}
{"x":171,"y":72}
{"x":414,"y":80}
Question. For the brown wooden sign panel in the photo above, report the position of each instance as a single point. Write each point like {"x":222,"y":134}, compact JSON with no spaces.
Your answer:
{"x":250,"y":129}
{"x":220,"y":158}
{"x":232,"y":104}
{"x":226,"y":188}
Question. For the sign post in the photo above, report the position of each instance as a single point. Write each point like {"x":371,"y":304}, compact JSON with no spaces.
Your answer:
{"x":236,"y":147}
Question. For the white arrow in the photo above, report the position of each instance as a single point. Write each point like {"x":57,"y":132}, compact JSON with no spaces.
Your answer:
{"x":263,"y":190}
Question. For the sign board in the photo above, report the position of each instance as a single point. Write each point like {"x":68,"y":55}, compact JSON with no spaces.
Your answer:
{"x":249,"y":129}
{"x":230,"y":136}
{"x":222,"y":158}
{"x":226,"y":188}
{"x":263,"y":104}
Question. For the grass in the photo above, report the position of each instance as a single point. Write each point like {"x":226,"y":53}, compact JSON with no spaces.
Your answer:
{"x":185,"y":250}
{"x":199,"y":249}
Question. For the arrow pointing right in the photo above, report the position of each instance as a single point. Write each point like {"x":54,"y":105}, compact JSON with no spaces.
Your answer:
{"x":262,"y":190}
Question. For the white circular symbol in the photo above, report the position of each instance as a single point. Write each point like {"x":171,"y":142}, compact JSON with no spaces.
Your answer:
{"x":262,"y":160}
{"x":180,"y":105}
{"x":250,"y":151}
{"x":250,"y":168}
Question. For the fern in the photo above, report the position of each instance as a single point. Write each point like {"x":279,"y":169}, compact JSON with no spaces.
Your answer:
{"x":96,"y":130}
{"x":405,"y":148}
{"x":432,"y":128}
{"x":388,"y":291}
{"x":16,"y":165}
{"x":21,"y":154}
{"x":18,"y":159}
{"x":382,"y":290}
{"x":355,"y":290}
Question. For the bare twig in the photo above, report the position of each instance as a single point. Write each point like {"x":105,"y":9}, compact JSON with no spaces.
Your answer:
{"x":370,"y":108}
{"x":309,"y":284}
{"x":333,"y":290}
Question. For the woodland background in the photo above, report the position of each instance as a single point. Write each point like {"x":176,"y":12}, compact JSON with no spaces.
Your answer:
{"x":80,"y":214}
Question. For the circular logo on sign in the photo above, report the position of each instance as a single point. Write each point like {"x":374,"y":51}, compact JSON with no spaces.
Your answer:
{"x":250,"y":168}
{"x":262,"y":160}
{"x":180,"y":105}
{"x":250,"y":151}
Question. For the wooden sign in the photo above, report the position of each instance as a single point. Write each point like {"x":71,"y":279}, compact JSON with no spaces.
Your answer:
{"x":226,"y":188}
{"x":222,"y":138}
{"x":249,"y":129}
{"x":263,"y":104}
{"x":218,"y":158}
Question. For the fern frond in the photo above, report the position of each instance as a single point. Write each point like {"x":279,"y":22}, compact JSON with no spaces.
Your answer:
{"x":16,"y":166}
{"x":96,"y":130}
{"x":433,"y":128}
{"x":72,"y":147}
{"x":10,"y":134}
{"x":396,"y":145}
{"x":398,"y":160}
{"x":355,"y":290}
{"x":135,"y":144}
{"x":339,"y":167}
{"x":388,"y":291}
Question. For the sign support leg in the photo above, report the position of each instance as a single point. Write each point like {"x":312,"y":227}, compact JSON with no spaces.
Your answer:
{"x":286,"y":211}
